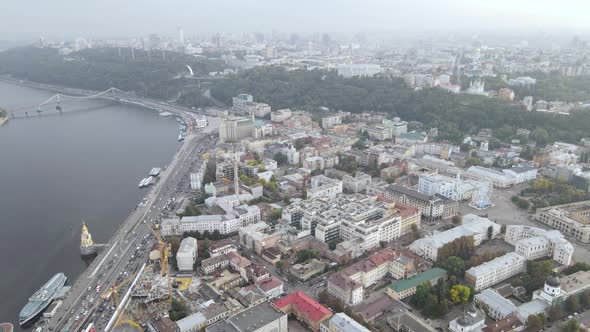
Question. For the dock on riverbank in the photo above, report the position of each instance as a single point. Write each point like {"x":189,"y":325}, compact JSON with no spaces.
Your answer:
{"x":3,"y":121}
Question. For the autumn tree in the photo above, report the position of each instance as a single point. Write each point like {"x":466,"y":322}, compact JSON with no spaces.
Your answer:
{"x":460,"y":294}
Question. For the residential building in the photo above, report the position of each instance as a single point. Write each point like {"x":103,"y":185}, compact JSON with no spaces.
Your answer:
{"x":434,"y":207}
{"x":225,"y":224}
{"x":307,"y":270}
{"x":571,"y":219}
{"x":534,"y":243}
{"x":506,"y":94}
{"x":280,"y":115}
{"x":221,"y":248}
{"x":186,"y":254}
{"x":197,"y":178}
{"x":292,"y":155}
{"x":356,"y":183}
{"x":258,"y":237}
{"x":348,"y":284}
{"x":399,"y":290}
{"x":359,"y":69}
{"x":323,"y":186}
{"x":239,"y":264}
{"x":380,"y":132}
{"x":214,"y":263}
{"x":240,"y":102}
{"x":272,"y":287}
{"x":256,"y":272}
{"x":170,"y":227}
{"x":331,"y":121}
{"x":473,"y":226}
{"x":495,"y":271}
{"x":371,"y":219}
{"x":320,"y":163}
{"x":304,"y":308}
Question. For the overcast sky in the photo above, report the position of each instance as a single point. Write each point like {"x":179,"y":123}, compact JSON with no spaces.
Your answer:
{"x":26,"y":19}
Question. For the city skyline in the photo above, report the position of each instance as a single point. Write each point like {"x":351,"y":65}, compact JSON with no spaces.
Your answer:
{"x":68,"y":19}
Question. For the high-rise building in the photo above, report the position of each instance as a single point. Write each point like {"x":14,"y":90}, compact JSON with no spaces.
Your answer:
{"x":187,"y":254}
{"x":180,"y":36}
{"x":235,"y":128}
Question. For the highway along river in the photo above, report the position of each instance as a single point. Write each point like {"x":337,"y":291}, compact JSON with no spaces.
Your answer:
{"x":56,"y":170}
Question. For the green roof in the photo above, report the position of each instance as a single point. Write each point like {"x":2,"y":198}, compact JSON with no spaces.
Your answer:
{"x":413,"y":135}
{"x":420,"y":278}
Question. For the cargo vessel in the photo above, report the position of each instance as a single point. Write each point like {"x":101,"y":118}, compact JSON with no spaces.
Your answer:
{"x":42,"y":298}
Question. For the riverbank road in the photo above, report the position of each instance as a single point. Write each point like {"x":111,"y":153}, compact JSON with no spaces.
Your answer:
{"x":127,"y":249}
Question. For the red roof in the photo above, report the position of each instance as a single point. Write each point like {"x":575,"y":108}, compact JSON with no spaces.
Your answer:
{"x":304,"y":305}
{"x":267,"y":284}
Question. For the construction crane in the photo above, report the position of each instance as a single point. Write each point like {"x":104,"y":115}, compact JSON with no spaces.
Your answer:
{"x":165,"y":268}
{"x":113,"y":293}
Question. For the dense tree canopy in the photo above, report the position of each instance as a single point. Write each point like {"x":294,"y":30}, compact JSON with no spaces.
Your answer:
{"x":102,"y":68}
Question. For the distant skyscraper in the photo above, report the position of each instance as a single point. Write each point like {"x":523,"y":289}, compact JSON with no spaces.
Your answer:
{"x":180,"y":35}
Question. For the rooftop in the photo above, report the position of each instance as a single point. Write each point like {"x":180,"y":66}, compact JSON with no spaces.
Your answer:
{"x":575,"y":281}
{"x":495,"y":264}
{"x":213,"y":260}
{"x":420,"y":278}
{"x":267,"y":284}
{"x":506,"y":324}
{"x":305,"y":305}
{"x":249,"y":320}
{"x":347,"y":324}
{"x":496,"y":301}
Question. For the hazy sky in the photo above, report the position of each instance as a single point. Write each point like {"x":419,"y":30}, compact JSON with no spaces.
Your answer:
{"x":22,"y":19}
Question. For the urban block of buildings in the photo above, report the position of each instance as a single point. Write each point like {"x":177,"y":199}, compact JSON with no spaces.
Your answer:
{"x":348,"y":284}
{"x":435,"y":207}
{"x":473,"y":226}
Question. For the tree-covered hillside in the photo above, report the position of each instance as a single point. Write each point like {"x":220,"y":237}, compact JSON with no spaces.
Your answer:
{"x":453,"y":114}
{"x":101,"y":68}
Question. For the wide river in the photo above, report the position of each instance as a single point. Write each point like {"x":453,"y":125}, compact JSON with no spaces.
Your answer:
{"x":56,"y":170}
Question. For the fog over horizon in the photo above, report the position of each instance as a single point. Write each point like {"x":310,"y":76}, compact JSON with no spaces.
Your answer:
{"x":67,"y":19}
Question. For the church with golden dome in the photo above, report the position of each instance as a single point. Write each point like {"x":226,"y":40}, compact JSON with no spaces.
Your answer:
{"x":87,"y":246}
